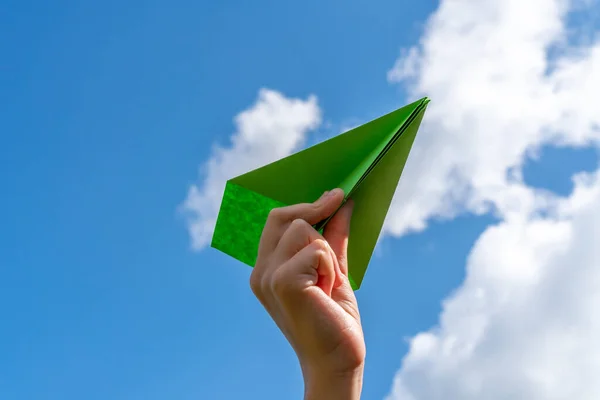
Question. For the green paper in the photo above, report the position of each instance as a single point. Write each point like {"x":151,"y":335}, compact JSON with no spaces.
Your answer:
{"x":365,"y":162}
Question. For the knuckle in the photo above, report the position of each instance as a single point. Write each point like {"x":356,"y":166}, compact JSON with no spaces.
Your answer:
{"x":274,"y":214}
{"x":257,"y":277}
{"x":256,"y":282}
{"x":320,"y":252}
{"x":320,"y":256}
{"x":278,"y":284}
{"x":298,"y":225}
{"x":320,"y":245}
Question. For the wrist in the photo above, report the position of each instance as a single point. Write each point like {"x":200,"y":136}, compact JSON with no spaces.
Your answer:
{"x":323,"y":385}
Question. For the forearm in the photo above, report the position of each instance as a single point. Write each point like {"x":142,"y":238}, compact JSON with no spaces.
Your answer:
{"x":334,"y":387}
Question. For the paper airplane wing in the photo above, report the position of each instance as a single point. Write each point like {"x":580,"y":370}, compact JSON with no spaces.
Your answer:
{"x":366,"y":163}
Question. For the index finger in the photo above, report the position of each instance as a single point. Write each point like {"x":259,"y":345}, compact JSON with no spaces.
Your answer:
{"x":280,"y":218}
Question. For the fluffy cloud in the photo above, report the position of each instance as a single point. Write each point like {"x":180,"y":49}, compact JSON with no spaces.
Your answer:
{"x":274,"y":127}
{"x":524,"y":323}
{"x":497,"y":97}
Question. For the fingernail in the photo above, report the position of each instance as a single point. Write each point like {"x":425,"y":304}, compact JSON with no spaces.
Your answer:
{"x":333,"y":192}
{"x":323,"y":196}
{"x":328,"y":194}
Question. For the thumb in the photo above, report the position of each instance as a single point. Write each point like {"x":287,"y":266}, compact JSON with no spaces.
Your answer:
{"x":337,"y":233}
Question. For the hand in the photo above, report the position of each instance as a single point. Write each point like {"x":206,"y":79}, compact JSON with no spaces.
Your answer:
{"x":301,"y":278}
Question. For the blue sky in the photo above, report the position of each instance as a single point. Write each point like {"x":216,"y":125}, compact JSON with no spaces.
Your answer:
{"x":108,"y":110}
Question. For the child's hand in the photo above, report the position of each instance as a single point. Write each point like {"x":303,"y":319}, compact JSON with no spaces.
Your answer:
{"x":301,"y":278}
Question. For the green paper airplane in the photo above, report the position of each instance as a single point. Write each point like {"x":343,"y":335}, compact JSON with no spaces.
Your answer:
{"x":366,"y":162}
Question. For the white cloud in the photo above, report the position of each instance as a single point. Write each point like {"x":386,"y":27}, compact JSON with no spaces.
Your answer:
{"x":525,"y":322}
{"x":485,"y":66}
{"x":274,"y":127}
